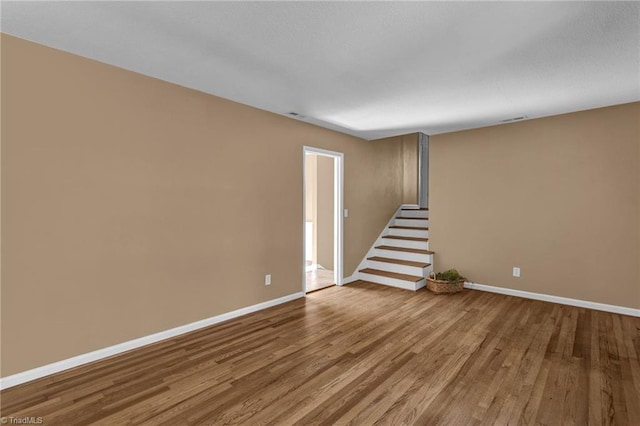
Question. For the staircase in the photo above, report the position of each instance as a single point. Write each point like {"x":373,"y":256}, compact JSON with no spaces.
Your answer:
{"x":401,"y":256}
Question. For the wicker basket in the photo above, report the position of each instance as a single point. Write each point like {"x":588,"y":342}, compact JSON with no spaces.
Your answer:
{"x":442,"y":287}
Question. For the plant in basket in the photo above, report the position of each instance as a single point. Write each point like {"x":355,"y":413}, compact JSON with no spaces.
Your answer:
{"x":445,"y":282}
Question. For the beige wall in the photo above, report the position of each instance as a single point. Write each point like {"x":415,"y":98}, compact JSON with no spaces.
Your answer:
{"x":311,"y":170}
{"x":311,"y":200}
{"x":325,"y":211}
{"x":406,"y":166}
{"x":131,"y":205}
{"x":319,"y":207}
{"x":559,"y":197}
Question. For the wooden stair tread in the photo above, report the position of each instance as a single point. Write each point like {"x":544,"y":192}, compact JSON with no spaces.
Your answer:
{"x":416,"y":228}
{"x":395,"y":275}
{"x":412,"y":218}
{"x":399,"y":261}
{"x":397,"y":237}
{"x":409,"y":250}
{"x":421,"y":208}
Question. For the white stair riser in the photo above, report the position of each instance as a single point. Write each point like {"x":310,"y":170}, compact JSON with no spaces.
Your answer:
{"x":408,"y":233}
{"x":416,"y":257}
{"x":407,"y":285}
{"x":427,"y":271}
{"x":423,"y":245}
{"x":414,"y":213}
{"x":412,"y":222}
{"x":395,"y":267}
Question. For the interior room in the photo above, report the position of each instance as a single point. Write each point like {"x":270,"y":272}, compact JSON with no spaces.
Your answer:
{"x":320,"y":213}
{"x":320,"y":191}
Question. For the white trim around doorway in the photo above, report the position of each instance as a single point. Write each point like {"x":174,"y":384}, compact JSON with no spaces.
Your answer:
{"x":338,"y":206}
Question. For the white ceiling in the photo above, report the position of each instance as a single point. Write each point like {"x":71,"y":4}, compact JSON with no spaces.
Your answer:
{"x":370,"y":69}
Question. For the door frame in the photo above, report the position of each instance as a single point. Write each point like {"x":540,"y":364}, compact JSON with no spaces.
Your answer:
{"x":338,"y":206}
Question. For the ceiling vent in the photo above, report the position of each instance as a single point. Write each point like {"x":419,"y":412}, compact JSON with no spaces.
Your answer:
{"x":509,"y":120}
{"x":296,"y":115}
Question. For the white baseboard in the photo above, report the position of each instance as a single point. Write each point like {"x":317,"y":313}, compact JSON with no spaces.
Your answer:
{"x":56,"y":367}
{"x":555,"y":299}
{"x":352,"y":278}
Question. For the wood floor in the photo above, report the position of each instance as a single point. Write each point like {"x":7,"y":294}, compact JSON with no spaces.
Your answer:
{"x":365,"y":354}
{"x":319,"y":279}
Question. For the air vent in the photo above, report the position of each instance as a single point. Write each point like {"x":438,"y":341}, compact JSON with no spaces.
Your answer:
{"x":509,"y":120}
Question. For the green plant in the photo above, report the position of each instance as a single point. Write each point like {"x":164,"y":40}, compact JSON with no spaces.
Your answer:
{"x":451,"y":275}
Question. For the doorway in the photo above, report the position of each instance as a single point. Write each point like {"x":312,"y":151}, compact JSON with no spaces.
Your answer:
{"x":322,"y":218}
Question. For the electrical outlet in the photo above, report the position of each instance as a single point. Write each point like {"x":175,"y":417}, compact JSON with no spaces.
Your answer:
{"x":267,"y":279}
{"x":516,"y":272}
{"x":346,"y":212}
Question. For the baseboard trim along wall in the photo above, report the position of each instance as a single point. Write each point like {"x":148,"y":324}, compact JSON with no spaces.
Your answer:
{"x":350,"y":279}
{"x":555,"y":299}
{"x":76,"y":361}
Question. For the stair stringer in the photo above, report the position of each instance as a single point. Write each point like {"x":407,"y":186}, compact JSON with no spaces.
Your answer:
{"x":380,"y":241}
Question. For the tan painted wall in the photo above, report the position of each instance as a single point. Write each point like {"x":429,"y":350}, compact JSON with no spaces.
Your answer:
{"x":559,"y":197}
{"x":325,"y":211}
{"x":406,"y":166}
{"x":311,"y":170}
{"x":319,"y":207}
{"x":131,"y":205}
{"x":311,"y":201}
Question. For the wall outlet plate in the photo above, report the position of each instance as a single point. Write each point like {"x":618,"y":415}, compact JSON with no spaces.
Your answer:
{"x":267,"y":279}
{"x":516,"y":272}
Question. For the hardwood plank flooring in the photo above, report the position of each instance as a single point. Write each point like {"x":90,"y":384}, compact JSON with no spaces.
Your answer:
{"x":364,"y":354}
{"x":319,"y":279}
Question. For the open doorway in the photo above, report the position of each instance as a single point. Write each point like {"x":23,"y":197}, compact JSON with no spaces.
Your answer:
{"x":322,"y":208}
